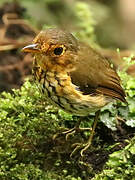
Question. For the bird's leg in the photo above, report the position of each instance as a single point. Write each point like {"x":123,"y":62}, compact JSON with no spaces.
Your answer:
{"x":89,"y":142}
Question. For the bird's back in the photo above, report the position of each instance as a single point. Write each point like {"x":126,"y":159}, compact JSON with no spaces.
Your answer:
{"x":95,"y":75}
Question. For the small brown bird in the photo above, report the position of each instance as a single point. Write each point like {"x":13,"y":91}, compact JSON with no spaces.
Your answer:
{"x":73,"y":76}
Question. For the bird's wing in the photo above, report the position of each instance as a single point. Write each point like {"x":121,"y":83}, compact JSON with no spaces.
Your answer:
{"x":94,"y":75}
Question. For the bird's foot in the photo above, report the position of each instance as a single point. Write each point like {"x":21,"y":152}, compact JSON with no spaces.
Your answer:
{"x":67,"y":133}
{"x":81,"y":146}
{"x":72,"y":131}
{"x":84,"y":147}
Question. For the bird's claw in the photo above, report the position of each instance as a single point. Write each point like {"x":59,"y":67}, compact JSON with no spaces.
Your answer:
{"x":69,"y":133}
{"x":76,"y":146}
{"x":55,"y":136}
{"x":81,"y":146}
{"x":86,"y":146}
{"x":74,"y":130}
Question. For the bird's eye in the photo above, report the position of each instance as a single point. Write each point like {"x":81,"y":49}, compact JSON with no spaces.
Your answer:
{"x":58,"y":50}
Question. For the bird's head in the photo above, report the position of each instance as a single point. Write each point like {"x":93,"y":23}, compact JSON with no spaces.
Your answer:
{"x":54,"y":47}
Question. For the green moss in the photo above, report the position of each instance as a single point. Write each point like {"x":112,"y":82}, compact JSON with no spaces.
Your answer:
{"x":121,"y":164}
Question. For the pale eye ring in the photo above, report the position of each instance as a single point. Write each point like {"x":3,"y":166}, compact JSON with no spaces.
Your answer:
{"x":58,"y":51}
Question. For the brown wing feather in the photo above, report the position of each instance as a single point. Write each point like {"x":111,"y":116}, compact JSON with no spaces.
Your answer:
{"x":94,"y":75}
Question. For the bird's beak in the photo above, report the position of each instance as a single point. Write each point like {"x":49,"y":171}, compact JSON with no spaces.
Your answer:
{"x":32,"y":48}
